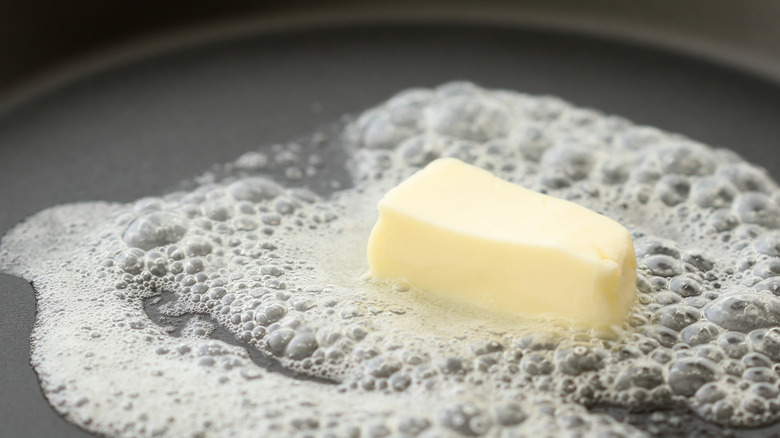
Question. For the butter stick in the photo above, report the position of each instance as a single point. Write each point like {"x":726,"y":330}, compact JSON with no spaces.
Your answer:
{"x":459,"y":232}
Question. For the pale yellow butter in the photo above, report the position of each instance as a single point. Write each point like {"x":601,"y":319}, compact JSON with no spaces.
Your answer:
{"x":457,"y":231}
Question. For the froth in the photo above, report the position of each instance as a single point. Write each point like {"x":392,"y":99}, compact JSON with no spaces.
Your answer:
{"x":242,"y":307}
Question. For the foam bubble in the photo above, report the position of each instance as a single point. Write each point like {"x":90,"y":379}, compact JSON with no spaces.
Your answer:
{"x":241,"y":307}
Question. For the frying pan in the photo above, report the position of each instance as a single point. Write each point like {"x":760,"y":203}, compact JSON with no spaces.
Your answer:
{"x":134,"y":121}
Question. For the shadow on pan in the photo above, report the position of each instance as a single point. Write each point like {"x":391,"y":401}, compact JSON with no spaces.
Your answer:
{"x":142,"y":125}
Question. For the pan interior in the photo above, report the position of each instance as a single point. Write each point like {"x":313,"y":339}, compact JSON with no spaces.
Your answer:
{"x":141,"y":127}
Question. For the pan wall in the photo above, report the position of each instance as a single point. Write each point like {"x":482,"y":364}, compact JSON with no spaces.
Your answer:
{"x":40,"y":38}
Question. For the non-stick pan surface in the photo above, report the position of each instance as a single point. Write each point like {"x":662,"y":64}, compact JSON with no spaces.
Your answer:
{"x":139,"y":126}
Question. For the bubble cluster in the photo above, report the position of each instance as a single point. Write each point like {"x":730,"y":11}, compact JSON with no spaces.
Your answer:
{"x":270,"y":250}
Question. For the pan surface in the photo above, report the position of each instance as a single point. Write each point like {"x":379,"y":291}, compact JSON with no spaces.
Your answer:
{"x":140,"y":126}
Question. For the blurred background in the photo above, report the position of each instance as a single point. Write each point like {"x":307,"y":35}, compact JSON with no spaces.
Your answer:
{"x":40,"y":39}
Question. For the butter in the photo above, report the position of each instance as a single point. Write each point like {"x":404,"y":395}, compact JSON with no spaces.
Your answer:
{"x":457,"y":231}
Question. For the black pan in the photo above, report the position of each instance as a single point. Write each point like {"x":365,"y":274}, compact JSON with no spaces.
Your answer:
{"x":142,"y":123}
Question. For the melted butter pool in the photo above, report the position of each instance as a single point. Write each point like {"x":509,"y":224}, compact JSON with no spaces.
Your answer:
{"x":282,"y":269}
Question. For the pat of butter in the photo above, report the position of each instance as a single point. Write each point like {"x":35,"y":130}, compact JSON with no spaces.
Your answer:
{"x":457,"y":231}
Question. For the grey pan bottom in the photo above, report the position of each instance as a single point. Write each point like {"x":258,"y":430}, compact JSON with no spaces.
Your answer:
{"x":140,"y":127}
